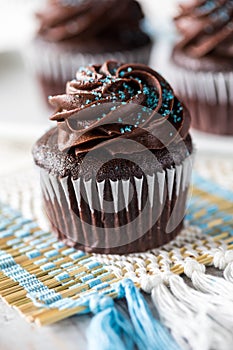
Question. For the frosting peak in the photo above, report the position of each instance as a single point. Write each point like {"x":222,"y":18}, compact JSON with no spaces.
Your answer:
{"x":206,"y":26}
{"x":116,"y":101}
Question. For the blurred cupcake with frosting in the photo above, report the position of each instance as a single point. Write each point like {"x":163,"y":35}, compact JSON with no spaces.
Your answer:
{"x":202,"y":63}
{"x":74,"y":33}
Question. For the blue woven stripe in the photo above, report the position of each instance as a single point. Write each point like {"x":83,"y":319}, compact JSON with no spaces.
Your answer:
{"x":28,"y":281}
{"x":31,"y":243}
{"x":211,"y":187}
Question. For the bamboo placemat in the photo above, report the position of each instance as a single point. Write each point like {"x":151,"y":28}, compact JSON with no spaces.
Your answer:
{"x":37,"y":269}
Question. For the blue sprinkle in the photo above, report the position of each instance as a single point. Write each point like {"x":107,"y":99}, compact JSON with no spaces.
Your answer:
{"x":122,"y":95}
{"x":128,"y":128}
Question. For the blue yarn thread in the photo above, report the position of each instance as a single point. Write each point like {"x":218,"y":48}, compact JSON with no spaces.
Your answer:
{"x":109,"y":329}
{"x":150,"y":334}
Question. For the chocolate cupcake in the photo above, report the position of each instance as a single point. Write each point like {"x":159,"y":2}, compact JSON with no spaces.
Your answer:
{"x":75,"y":33}
{"x":115,"y":170}
{"x":202,"y":63}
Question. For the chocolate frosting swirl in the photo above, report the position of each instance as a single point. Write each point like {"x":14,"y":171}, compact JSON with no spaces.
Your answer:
{"x":206,"y":27}
{"x":84,"y":19}
{"x":106,"y":104}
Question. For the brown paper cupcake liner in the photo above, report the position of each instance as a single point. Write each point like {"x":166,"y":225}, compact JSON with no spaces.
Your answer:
{"x":208,"y":96}
{"x":121,"y":216}
{"x":47,"y":62}
{"x":53,"y":68}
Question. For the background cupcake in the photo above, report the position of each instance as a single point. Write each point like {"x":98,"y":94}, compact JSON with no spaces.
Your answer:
{"x":76,"y":33}
{"x":115,"y":171}
{"x":202,"y":70}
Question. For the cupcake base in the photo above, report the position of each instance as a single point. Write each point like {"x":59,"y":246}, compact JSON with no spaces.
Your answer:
{"x":154,"y":238}
{"x":117,"y":217}
{"x":205,"y":91}
{"x":210,"y":118}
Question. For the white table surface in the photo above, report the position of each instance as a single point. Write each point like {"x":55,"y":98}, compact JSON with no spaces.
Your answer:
{"x":16,"y":333}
